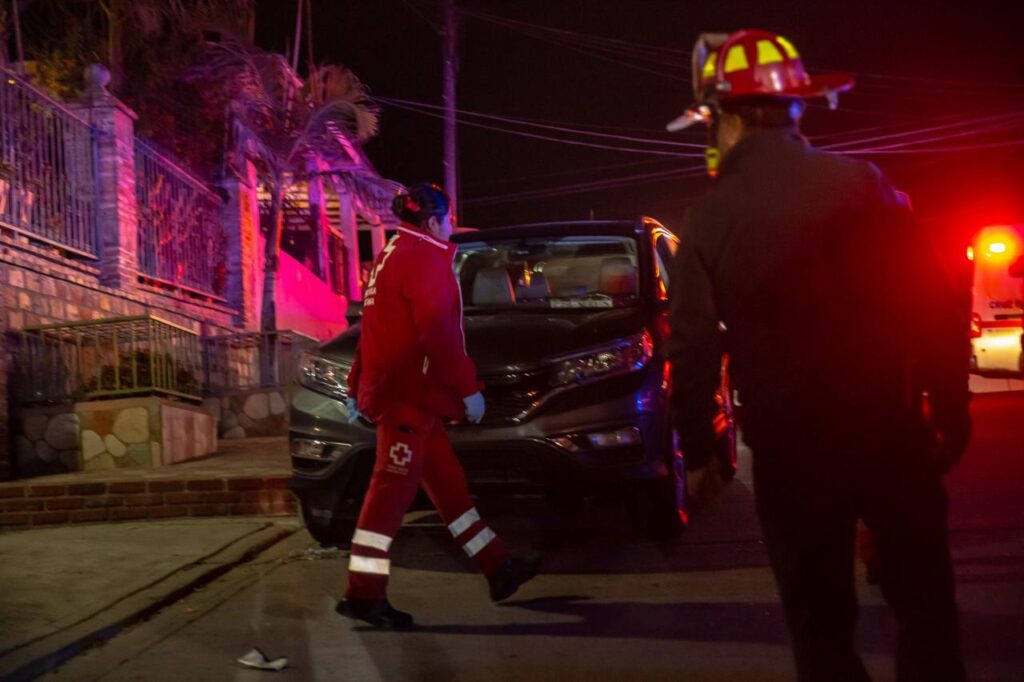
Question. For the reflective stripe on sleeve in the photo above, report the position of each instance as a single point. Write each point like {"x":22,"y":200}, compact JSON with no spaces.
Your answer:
{"x":362,"y":564}
{"x":462,"y":524}
{"x":479,"y":541}
{"x":368,"y":538}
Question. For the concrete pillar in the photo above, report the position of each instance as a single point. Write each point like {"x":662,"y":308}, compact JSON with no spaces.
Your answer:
{"x":318,"y":215}
{"x":349,"y":230}
{"x":377,"y":238}
{"x":242,"y":225}
{"x":114,"y":159}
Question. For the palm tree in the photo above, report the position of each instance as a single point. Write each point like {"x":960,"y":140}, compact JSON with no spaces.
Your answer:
{"x":289,"y":128}
{"x":131,"y":25}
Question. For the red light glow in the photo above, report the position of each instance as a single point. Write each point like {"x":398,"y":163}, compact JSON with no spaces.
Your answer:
{"x":997,"y":243}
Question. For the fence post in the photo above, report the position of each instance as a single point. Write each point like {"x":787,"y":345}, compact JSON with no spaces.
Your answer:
{"x":116,"y":205}
{"x":241,"y":224}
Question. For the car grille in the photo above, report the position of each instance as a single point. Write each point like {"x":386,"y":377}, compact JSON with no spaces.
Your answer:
{"x":511,"y":396}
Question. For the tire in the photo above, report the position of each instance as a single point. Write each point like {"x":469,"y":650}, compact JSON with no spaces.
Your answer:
{"x":330,"y":515}
{"x":726,"y":452}
{"x":658,"y":508}
{"x":725,"y":429}
{"x":329,"y":531}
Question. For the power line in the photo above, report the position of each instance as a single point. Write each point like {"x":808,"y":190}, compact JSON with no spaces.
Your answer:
{"x":545,"y":126}
{"x":575,"y":171}
{"x":995,"y":122}
{"x":549,"y":138}
{"x":939,"y":150}
{"x":578,"y":188}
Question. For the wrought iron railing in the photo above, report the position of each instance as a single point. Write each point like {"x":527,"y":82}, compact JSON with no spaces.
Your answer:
{"x":111,"y":358}
{"x":47,"y":176}
{"x":181,"y":238}
{"x":235,"y":362}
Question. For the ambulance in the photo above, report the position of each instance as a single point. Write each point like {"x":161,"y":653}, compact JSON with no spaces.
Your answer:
{"x":997,"y":255}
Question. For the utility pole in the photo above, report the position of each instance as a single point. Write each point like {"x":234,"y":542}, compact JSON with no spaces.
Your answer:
{"x":17,"y":38}
{"x":451,"y":67}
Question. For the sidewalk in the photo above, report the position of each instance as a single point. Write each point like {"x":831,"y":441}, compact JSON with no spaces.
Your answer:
{"x":73,"y":587}
{"x":248,"y":476}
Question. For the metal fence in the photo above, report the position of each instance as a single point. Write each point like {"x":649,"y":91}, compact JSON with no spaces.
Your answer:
{"x":235,"y":362}
{"x":111,"y":358}
{"x":47,"y":176}
{"x":181,"y":238}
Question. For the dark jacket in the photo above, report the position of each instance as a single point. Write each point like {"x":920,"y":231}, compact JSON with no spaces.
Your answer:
{"x":836,"y":309}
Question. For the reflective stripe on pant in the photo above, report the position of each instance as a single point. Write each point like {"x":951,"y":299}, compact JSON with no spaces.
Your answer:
{"x":413,"y":449}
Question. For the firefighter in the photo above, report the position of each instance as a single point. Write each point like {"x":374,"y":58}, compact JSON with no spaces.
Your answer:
{"x":410,"y":376}
{"x":809,"y":271}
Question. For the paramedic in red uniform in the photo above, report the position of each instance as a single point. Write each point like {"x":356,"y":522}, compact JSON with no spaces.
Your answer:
{"x":411,"y":375}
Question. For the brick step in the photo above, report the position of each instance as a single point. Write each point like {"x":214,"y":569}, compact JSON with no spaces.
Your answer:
{"x":47,"y":504}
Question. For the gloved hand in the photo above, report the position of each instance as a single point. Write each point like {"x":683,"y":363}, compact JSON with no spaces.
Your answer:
{"x":352,"y":408}
{"x":475,"y":407}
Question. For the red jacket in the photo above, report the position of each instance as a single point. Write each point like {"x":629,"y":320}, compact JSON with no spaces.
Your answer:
{"x":412,"y":349}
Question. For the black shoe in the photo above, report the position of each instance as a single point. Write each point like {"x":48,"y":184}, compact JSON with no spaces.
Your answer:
{"x":377,"y":612}
{"x":513,"y":573}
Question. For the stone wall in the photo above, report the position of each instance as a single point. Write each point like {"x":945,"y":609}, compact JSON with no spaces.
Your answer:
{"x":40,"y":287}
{"x":110,"y":434}
{"x":248,"y":414}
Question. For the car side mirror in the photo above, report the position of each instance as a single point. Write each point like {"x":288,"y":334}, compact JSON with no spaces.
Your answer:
{"x":354,"y":312}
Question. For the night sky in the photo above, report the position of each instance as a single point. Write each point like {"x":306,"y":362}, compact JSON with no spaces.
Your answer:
{"x":919,"y":64}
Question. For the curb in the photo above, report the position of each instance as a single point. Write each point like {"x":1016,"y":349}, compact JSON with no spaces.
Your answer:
{"x":35,"y":503}
{"x":48,"y":653}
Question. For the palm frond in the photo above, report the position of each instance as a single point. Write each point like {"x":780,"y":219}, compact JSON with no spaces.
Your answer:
{"x":343,"y":97}
{"x":372,"y":192}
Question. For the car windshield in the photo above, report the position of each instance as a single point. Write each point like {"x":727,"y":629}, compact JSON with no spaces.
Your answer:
{"x":572,"y":272}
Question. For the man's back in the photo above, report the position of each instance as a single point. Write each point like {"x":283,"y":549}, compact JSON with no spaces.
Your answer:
{"x":804,"y":253}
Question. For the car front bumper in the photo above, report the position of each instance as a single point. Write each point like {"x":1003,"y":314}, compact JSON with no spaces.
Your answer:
{"x":550,"y":448}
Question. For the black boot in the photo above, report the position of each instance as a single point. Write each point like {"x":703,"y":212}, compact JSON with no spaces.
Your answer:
{"x":513,"y":573}
{"x":377,"y":612}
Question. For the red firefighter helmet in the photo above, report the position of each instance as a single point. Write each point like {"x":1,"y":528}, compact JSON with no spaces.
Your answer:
{"x":751,"y":63}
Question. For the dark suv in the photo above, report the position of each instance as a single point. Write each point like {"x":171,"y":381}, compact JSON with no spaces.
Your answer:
{"x":567,"y":324}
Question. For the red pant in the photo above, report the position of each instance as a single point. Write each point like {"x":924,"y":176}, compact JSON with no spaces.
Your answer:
{"x":413,"y":448}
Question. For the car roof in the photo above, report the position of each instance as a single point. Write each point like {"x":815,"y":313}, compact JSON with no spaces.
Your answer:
{"x":625,"y":228}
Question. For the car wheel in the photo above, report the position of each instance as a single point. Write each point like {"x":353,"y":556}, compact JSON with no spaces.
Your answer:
{"x":330,"y":514}
{"x":725,"y":428}
{"x":659,"y":505}
{"x":726,"y":452}
{"x":327,"y":528}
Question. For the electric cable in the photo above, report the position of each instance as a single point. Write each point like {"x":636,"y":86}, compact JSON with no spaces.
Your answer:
{"x":549,"y":138}
{"x":524,"y":122}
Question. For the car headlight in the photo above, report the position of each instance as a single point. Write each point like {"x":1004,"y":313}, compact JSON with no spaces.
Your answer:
{"x":630,"y":355}
{"x":324,"y":376}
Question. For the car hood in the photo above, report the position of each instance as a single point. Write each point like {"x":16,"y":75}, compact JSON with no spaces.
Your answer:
{"x":499,"y":342}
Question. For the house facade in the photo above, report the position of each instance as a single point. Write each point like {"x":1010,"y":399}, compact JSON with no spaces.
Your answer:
{"x":130,"y":289}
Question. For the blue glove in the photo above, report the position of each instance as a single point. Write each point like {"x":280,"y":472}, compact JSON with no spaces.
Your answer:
{"x":352,"y":409}
{"x":475,"y":407}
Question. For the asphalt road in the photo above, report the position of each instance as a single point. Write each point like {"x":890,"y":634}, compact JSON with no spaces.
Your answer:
{"x":608,"y":607}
